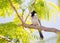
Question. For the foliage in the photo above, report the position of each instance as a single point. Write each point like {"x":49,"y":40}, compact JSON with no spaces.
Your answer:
{"x":42,"y":9}
{"x":59,"y":3}
{"x":12,"y":30}
{"x":5,"y":8}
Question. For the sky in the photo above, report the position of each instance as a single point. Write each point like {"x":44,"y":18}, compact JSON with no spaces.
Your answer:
{"x":53,"y":23}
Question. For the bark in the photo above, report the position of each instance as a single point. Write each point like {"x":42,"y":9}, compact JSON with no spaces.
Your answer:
{"x":5,"y":38}
{"x":15,"y":10}
{"x":48,"y":29}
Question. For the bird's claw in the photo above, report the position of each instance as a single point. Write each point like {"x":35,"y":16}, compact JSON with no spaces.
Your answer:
{"x":33,"y":24}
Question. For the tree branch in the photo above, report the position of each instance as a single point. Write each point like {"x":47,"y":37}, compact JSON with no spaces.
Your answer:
{"x":30,"y":10}
{"x":41,"y":28}
{"x":27,"y":17}
{"x":5,"y":38}
{"x":32,"y":26}
{"x":23,"y":13}
{"x":15,"y":11}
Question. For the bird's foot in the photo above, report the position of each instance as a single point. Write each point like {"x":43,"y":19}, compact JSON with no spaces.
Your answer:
{"x":33,"y":24}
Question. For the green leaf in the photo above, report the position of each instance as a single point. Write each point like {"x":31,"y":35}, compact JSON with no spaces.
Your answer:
{"x":5,"y":7}
{"x":3,"y":41}
{"x":17,"y":1}
{"x":6,"y":28}
{"x":42,"y":9}
{"x":3,"y":4}
{"x":13,"y":31}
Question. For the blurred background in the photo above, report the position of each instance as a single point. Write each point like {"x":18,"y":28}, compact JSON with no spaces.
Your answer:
{"x":49,"y":37}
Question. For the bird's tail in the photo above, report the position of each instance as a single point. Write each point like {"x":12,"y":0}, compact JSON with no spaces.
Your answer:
{"x":41,"y":35}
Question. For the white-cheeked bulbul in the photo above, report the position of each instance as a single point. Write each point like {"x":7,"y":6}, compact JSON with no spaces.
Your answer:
{"x":36,"y":21}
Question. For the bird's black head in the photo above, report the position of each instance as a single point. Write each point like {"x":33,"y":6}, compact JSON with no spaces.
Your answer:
{"x":33,"y":13}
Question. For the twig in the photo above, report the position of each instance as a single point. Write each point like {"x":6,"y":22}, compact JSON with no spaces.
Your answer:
{"x":15,"y":11}
{"x":5,"y":38}
{"x":23,"y":13}
{"x":34,"y":2}
{"x":41,"y":28}
{"x":30,"y":10}
{"x":27,"y":17}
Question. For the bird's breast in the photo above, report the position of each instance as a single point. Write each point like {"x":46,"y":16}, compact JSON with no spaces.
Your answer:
{"x":34,"y":21}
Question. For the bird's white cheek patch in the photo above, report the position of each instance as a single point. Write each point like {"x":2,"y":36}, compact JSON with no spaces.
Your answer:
{"x":35,"y":14}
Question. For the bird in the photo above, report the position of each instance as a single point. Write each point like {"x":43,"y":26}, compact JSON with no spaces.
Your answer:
{"x":36,"y":21}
